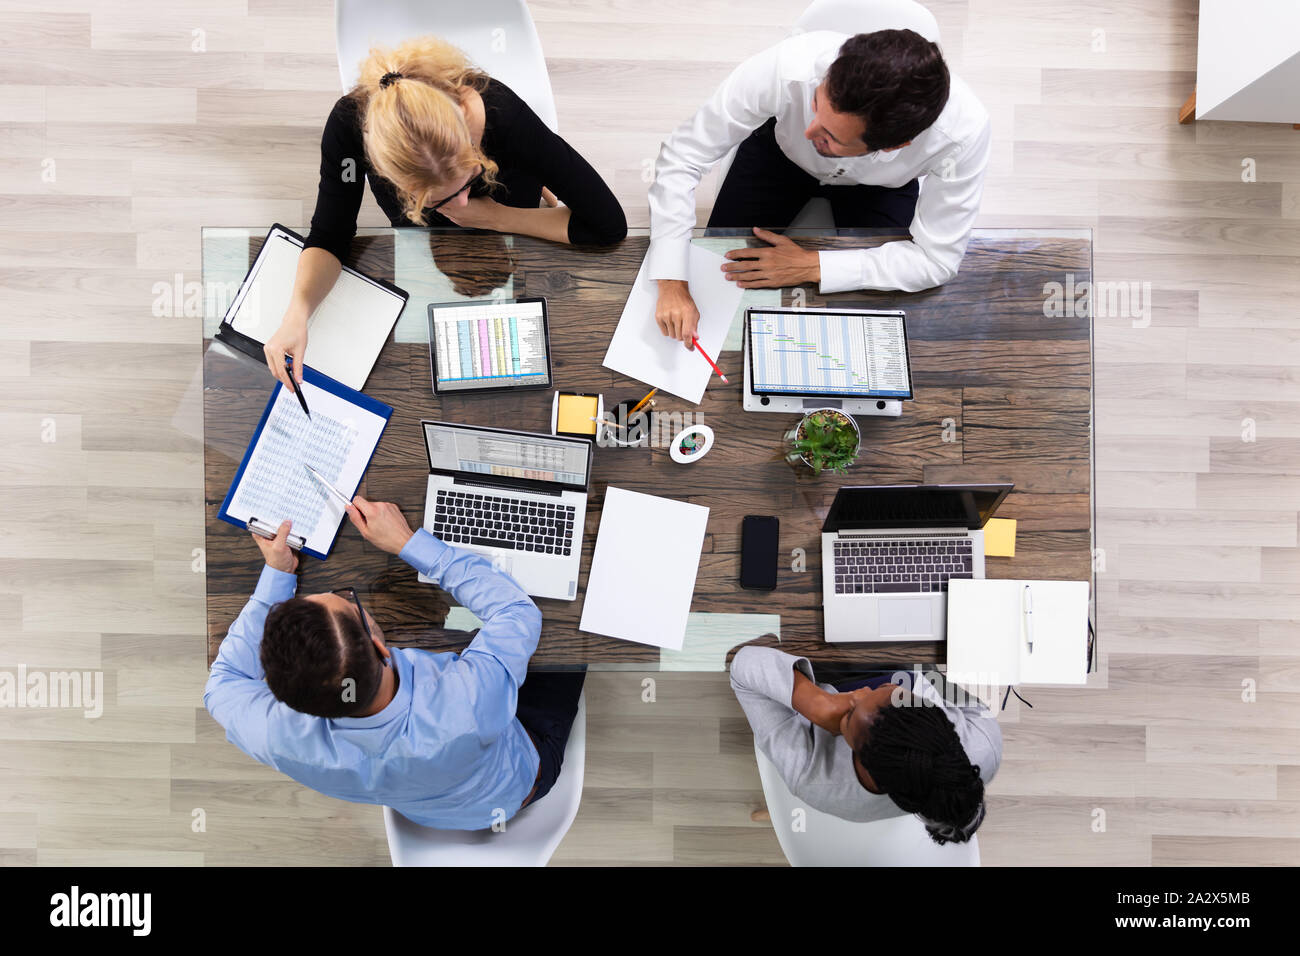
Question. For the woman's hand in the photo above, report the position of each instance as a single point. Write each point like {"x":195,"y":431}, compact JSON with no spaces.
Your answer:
{"x":824,"y":709}
{"x":478,"y":213}
{"x":289,"y":339}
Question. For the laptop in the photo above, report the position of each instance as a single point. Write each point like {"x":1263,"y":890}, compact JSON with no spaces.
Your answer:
{"x":518,"y":498}
{"x":889,"y":551}
{"x":852,"y":359}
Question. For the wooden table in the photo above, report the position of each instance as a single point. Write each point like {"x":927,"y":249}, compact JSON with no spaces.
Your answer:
{"x":1002,"y":376}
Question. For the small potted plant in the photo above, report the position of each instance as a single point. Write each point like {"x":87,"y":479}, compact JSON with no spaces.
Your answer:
{"x":825,"y":440}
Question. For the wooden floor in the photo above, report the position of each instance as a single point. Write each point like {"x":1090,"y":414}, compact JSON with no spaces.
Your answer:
{"x":118,"y":141}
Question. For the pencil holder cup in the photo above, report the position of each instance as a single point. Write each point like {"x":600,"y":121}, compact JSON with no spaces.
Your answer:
{"x":627,"y":431}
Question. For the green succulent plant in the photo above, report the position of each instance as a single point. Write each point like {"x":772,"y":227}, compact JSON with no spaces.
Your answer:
{"x":827,"y":441}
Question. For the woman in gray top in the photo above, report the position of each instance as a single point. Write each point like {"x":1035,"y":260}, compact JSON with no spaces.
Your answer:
{"x":870,"y":754}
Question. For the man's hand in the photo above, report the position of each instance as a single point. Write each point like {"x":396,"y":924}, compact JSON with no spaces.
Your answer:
{"x":781,"y":264}
{"x":381,"y":523}
{"x":477,"y":213}
{"x":289,"y":339}
{"x":276,"y":551}
{"x":675,"y":313}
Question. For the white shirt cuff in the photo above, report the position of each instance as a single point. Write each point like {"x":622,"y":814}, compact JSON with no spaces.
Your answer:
{"x":842,"y":270}
{"x":669,"y":259}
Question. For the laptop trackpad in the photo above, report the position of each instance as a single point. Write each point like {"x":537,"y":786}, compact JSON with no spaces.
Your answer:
{"x":904,"y":617}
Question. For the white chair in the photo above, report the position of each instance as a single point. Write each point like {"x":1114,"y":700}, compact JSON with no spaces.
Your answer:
{"x":848,"y":16}
{"x":497,"y":35}
{"x":825,"y":840}
{"x":530,"y":837}
{"x":868,"y":16}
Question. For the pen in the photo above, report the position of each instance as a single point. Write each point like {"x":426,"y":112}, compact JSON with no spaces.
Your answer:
{"x":293,"y":380}
{"x":263,"y":530}
{"x":328,"y":487}
{"x":1027,"y":604}
{"x":696,"y":343}
{"x":641,"y":404}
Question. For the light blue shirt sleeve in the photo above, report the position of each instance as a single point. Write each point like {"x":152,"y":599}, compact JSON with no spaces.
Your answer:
{"x":496,"y":662}
{"x":236,"y":694}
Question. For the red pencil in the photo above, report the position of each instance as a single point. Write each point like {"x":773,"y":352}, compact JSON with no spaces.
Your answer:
{"x":696,"y":343}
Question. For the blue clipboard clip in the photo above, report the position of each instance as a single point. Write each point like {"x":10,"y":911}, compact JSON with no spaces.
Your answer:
{"x":264,"y":530}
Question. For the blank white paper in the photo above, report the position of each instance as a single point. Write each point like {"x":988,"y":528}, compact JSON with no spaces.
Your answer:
{"x":643,"y":570}
{"x":639,"y":350}
{"x":346,"y":332}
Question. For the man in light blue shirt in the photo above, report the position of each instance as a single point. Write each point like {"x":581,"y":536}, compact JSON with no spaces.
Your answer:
{"x":307,"y":685}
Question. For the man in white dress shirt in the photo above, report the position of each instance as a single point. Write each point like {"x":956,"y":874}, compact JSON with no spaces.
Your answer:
{"x":856,"y":119}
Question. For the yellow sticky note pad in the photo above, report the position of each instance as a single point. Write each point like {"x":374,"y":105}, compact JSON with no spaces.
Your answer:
{"x":575,"y":414}
{"x":1000,"y":538}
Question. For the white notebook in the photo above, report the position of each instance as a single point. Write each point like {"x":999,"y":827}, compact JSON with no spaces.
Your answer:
{"x":643,"y":570}
{"x":346,"y":332}
{"x":987,"y":632}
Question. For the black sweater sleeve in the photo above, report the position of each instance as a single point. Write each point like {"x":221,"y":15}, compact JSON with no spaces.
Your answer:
{"x":596,"y":218}
{"x":343,"y":170}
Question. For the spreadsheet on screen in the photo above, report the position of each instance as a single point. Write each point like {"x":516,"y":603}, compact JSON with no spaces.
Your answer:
{"x":490,"y":345}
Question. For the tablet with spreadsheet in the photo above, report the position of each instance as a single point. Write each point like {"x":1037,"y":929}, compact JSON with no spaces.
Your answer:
{"x":829,"y":353}
{"x":489,"y":346}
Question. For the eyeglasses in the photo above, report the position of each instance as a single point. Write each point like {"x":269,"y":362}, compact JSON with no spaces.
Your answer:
{"x":352,"y":593}
{"x":469,"y":185}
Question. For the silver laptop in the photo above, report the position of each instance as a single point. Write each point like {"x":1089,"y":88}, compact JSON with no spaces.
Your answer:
{"x":518,"y":498}
{"x":889,"y":551}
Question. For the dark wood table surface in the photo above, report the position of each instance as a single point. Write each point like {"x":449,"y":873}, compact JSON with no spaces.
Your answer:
{"x":1002,"y":393}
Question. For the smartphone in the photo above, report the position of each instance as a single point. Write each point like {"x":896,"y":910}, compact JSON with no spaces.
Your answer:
{"x":758,"y":546}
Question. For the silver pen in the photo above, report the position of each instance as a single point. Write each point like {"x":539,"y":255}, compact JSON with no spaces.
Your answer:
{"x":328,"y":487}
{"x":264,"y":529}
{"x":1027,"y":604}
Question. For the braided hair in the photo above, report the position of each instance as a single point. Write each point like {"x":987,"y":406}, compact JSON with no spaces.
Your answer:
{"x":913,"y":754}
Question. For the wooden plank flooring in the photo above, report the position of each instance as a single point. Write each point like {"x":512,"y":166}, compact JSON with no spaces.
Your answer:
{"x":118,"y":142}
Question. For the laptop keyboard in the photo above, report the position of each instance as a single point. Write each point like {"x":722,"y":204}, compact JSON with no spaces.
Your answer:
{"x":890,"y":566}
{"x":501,"y":522}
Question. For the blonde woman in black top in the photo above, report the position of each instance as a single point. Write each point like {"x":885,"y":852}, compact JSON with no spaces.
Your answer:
{"x":442,"y":144}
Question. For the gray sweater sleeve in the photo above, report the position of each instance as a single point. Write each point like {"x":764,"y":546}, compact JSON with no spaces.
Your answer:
{"x":763,"y":679}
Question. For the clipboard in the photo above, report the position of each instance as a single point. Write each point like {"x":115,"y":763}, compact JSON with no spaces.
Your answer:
{"x":336,"y":410}
{"x":345,"y":334}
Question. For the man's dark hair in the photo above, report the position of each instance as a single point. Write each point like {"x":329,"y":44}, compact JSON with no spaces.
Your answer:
{"x":308,"y":652}
{"x":913,"y":754}
{"x":895,"y":81}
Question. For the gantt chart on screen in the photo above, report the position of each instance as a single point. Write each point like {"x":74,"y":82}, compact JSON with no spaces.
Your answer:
{"x":828,"y":354}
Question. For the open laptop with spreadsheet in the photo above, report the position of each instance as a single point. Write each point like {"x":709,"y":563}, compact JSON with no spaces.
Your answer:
{"x":519,"y":498}
{"x":888,"y":552}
